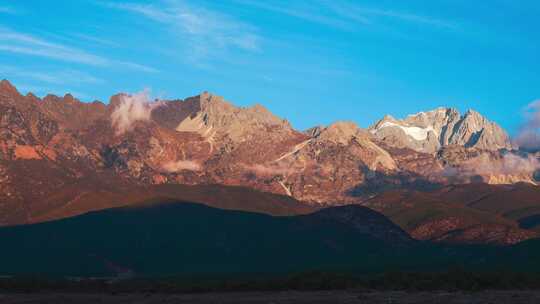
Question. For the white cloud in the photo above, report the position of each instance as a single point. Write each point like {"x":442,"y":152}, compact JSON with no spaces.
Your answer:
{"x":206,"y":32}
{"x":509,"y":164}
{"x":22,"y":43}
{"x":506,"y":169}
{"x":181,"y":165}
{"x":528,"y":136}
{"x":270,"y":169}
{"x":132,"y":108}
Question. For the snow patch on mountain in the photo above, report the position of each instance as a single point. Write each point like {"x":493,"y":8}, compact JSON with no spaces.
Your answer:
{"x":416,"y":133}
{"x":449,"y":127}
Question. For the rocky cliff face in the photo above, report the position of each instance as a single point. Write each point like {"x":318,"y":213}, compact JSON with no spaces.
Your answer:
{"x":330,"y":163}
{"x":430,"y":131}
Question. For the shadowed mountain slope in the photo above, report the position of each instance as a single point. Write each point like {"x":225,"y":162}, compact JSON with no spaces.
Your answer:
{"x":184,"y":238}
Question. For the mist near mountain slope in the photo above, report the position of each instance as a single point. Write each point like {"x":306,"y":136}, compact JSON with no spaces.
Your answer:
{"x":528,"y":136}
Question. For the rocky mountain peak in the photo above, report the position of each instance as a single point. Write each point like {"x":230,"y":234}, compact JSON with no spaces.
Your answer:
{"x":436,"y":117}
{"x":209,"y":101}
{"x":314,"y":132}
{"x":9,"y":95}
{"x":68,"y":99}
{"x":5,"y":84}
{"x":218,"y":109}
{"x":429,"y":131}
{"x":355,"y":142}
{"x":340,"y":132}
{"x":71,"y":112}
{"x":7,"y":89}
{"x":471,"y":112}
{"x":474,"y":130}
{"x":213,"y":116}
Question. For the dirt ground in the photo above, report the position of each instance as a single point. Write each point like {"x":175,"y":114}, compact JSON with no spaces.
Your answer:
{"x":485,"y":297}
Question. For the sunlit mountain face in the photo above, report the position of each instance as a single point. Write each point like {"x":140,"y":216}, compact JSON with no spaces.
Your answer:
{"x":433,"y":172}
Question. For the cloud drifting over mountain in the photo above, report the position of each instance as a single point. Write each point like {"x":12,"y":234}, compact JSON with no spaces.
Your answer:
{"x":177,"y":166}
{"x":528,"y":137}
{"x":132,"y":108}
{"x":509,"y":165}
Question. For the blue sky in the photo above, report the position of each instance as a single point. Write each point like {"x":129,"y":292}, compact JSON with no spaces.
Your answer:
{"x":312,"y":62}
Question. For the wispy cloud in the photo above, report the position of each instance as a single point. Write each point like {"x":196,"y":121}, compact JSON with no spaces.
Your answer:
{"x":135,"y":66}
{"x":370,"y":15}
{"x":16,"y":42}
{"x":206,"y":32}
{"x":345,"y":15}
{"x":301,"y":12}
{"x":67,"y":76}
{"x":410,"y":17}
{"x":97,"y":40}
{"x":22,"y":43}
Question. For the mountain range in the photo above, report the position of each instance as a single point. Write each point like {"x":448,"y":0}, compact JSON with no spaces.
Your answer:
{"x":440,"y":175}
